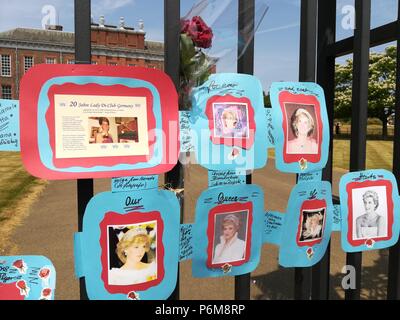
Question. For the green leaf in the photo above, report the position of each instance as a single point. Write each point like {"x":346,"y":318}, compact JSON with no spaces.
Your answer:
{"x":187,"y":48}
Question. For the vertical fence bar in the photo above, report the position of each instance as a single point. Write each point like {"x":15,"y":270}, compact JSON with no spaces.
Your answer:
{"x":325,"y":78}
{"x":245,"y":64}
{"x":393,"y":291}
{"x":359,"y":117}
{"x":83,"y":56}
{"x":175,"y":178}
{"x":308,"y":52}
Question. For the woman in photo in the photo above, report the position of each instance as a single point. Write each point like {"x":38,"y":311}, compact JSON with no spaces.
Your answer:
{"x":312,"y":228}
{"x":302,"y":125}
{"x":229,"y":122}
{"x":103,"y":136}
{"x":370,"y":224}
{"x":131,"y":250}
{"x":230,"y":248}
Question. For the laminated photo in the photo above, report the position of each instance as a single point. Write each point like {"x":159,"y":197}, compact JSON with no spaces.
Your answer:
{"x":369,"y":209}
{"x":301,"y":127}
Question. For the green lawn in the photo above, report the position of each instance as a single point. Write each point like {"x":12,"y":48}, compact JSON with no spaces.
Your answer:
{"x":15,"y":181}
{"x":372,"y":129}
{"x":379,"y":154}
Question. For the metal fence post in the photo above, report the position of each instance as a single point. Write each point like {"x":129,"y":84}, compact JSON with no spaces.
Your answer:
{"x":175,"y":178}
{"x":393,"y":291}
{"x":358,"y":142}
{"x":326,"y":79}
{"x":307,"y":72}
{"x":245,"y":64}
{"x":83,"y":56}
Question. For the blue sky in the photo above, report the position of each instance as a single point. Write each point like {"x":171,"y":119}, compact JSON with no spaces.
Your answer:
{"x":276,"y":40}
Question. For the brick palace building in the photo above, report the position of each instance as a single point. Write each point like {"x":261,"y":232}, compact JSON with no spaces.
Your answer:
{"x":22,"y":48}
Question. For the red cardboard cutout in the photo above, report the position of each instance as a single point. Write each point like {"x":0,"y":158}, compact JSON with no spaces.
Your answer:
{"x":31,"y":86}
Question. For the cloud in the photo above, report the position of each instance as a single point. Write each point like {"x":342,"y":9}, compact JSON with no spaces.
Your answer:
{"x":288,"y":26}
{"x":100,"y":7}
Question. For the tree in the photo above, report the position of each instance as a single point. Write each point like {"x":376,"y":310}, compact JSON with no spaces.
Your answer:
{"x":267,"y":101}
{"x":381,"y":87}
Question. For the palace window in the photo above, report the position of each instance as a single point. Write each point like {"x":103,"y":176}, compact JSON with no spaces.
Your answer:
{"x":5,"y":65}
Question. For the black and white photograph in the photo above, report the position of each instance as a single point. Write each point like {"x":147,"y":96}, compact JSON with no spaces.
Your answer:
{"x":369,"y":213}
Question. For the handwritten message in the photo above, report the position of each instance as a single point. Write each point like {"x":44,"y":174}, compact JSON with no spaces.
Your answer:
{"x":26,"y":278}
{"x":273,"y":223}
{"x":134,"y":183}
{"x":185,"y":241}
{"x":9,"y":125}
{"x":309,"y":177}
{"x":299,"y":89}
{"x":337,"y":218}
{"x":228,"y":177}
{"x":270,"y":127}
{"x":186,"y":131}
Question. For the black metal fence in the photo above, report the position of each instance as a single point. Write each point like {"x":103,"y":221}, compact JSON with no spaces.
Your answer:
{"x":318,"y":51}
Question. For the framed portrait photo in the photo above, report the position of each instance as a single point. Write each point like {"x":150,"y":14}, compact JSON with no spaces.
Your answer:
{"x":228,"y":123}
{"x":312,"y":222}
{"x":369,"y":206}
{"x":231,"y":121}
{"x":129,"y":246}
{"x":370,"y":214}
{"x":229,"y":234}
{"x":301,"y":126}
{"x":132,"y":251}
{"x":302,"y":129}
{"x":227,"y":231}
{"x":307,"y":226}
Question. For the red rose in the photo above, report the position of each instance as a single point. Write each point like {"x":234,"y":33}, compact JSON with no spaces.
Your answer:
{"x":369,"y":242}
{"x":46,"y":292}
{"x":21,"y":284}
{"x":185,"y":25}
{"x":19,"y":264}
{"x":309,"y":250}
{"x":198,"y":30}
{"x":44,"y":273}
{"x":133,"y":295}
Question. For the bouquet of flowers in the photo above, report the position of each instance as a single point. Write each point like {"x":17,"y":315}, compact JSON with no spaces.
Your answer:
{"x":195,"y":65}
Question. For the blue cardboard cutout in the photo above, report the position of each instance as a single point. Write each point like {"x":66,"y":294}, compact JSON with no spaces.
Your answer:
{"x":27,"y":278}
{"x":9,"y":125}
{"x":369,"y":203}
{"x":301,"y":126}
{"x":228,"y":213}
{"x":118,"y":228}
{"x":228,"y":119}
{"x":307,"y":225}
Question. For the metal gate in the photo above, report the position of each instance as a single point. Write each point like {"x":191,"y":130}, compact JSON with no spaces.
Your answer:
{"x":318,"y":51}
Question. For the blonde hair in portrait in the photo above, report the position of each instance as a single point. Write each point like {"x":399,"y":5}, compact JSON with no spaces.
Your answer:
{"x":227,"y":116}
{"x":295,"y":120}
{"x":128,"y":240}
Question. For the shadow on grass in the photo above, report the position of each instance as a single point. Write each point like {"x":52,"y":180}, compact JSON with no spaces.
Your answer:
{"x":279,"y":284}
